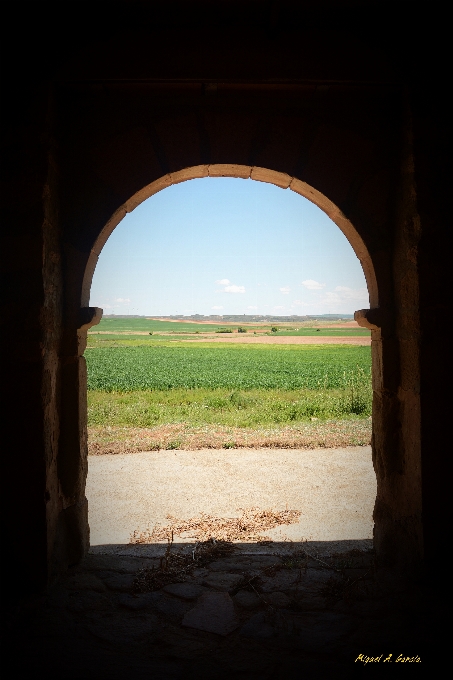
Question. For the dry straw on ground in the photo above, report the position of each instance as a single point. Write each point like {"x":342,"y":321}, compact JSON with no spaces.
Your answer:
{"x":247,"y":527}
{"x":178,"y":566}
{"x":214,"y":538}
{"x":316,"y":434}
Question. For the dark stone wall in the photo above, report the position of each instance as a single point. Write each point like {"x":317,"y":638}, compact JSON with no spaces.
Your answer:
{"x":32,"y":317}
{"x":432,"y":176}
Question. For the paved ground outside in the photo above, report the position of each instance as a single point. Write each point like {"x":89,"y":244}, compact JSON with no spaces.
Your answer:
{"x":334,"y":489}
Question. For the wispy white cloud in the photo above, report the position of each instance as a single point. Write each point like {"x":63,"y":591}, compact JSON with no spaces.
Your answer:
{"x":313,"y":285}
{"x":122,"y":300}
{"x":217,"y":307}
{"x":252,"y":307}
{"x":234,"y":289}
{"x":279,"y":307}
{"x":285,"y":290}
{"x":301,"y":303}
{"x":229,"y":287}
{"x":343,"y":294}
{"x":352,"y":293}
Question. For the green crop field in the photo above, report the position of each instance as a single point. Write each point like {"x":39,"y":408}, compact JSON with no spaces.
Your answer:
{"x":238,"y":385}
{"x":162,"y":367}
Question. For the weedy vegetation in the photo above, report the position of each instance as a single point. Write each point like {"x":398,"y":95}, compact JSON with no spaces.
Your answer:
{"x":227,"y":386}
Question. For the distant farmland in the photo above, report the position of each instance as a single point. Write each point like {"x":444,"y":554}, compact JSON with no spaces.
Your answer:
{"x":115,"y":326}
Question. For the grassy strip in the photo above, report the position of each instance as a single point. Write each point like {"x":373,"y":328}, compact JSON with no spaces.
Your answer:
{"x":175,"y":395}
{"x":230,"y":408}
{"x":97,"y":340}
{"x":319,"y":434}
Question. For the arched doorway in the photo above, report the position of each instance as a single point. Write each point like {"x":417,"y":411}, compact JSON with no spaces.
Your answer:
{"x":258,"y":174}
{"x":343,"y":165}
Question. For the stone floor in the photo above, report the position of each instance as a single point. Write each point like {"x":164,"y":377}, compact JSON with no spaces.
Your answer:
{"x":254,"y":614}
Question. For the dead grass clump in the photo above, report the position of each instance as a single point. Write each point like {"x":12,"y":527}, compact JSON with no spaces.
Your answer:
{"x":353,"y":559}
{"x":177,"y":567}
{"x":316,"y":434}
{"x":345,"y":586}
{"x":248,"y":527}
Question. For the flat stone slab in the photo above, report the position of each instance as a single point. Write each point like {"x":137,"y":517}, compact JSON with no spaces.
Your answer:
{"x":85,"y":581}
{"x":136,"y":602}
{"x":320,"y":630}
{"x":310,"y":602}
{"x":278,"y":599}
{"x":116,"y":628}
{"x":117,"y":563}
{"x":221,"y":580}
{"x":170,"y":606}
{"x":247,"y":600}
{"x":283,"y":580}
{"x":257,"y":627}
{"x":121,"y":582}
{"x":186,"y":591}
{"x":231,"y":564}
{"x":88,"y":601}
{"x":244,"y":563}
{"x":313,"y":580}
{"x":213,"y":613}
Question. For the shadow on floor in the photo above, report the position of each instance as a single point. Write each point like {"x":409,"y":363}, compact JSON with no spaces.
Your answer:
{"x":243,"y":611}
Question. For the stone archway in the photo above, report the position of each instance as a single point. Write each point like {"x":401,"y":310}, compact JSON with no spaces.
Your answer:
{"x":344,"y":164}
{"x":278,"y":179}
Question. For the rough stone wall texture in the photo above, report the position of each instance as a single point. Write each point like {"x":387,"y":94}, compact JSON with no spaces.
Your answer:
{"x":32,"y":282}
{"x":432,"y":179}
{"x":104,"y":114}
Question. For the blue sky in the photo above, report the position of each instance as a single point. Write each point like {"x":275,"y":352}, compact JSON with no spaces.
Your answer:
{"x":228,"y":246}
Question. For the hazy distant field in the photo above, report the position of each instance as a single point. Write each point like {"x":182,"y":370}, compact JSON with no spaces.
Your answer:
{"x":121,"y":326}
{"x":115,"y":325}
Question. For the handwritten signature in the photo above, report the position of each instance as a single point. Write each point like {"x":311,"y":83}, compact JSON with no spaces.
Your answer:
{"x":363,"y":658}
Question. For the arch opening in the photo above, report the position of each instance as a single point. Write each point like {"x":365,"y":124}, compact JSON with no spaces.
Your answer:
{"x":277,"y":179}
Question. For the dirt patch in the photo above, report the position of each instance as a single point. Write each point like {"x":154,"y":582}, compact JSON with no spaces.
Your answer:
{"x":345,"y":324}
{"x":266,"y":324}
{"x":334,"y":489}
{"x":287,"y":339}
{"x":259,"y":338}
{"x":316,"y":434}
